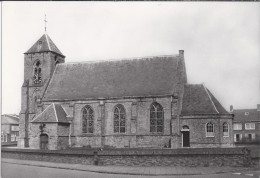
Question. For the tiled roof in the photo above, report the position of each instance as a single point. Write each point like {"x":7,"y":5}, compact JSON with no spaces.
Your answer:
{"x":9,"y":119}
{"x":240,"y":115}
{"x":197,"y":99}
{"x":54,"y":113}
{"x":150,"y":76}
{"x":44,"y":44}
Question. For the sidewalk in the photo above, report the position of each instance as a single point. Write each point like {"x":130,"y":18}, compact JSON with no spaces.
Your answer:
{"x":153,"y":171}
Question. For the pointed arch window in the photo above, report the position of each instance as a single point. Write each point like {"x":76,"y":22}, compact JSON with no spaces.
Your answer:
{"x":225,"y":129}
{"x":37,"y":77}
{"x":119,"y":119}
{"x":209,"y":130}
{"x":87,"y":120}
{"x":156,"y":118}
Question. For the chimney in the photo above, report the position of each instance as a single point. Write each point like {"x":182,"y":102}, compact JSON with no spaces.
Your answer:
{"x":181,"y":52}
{"x":231,"y":108}
{"x":258,"y":107}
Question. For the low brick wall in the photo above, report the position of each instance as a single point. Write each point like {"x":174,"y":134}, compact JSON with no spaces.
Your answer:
{"x":138,"y":157}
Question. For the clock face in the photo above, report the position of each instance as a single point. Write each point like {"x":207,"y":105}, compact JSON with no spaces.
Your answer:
{"x":37,"y":78}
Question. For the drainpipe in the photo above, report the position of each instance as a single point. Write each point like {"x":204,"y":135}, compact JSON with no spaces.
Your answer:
{"x":70,"y":134}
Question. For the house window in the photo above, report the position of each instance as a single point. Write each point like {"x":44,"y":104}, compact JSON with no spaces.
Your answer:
{"x":37,"y":77}
{"x":2,"y":137}
{"x":225,"y":130}
{"x":250,"y":126}
{"x":87,"y":120}
{"x":119,"y":119}
{"x":237,"y":137}
{"x":209,"y":130}
{"x":250,"y":137}
{"x":13,"y":137}
{"x":237,"y":126}
{"x":156,"y":118}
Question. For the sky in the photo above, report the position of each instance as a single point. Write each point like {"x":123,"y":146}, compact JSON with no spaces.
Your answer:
{"x":221,"y":41}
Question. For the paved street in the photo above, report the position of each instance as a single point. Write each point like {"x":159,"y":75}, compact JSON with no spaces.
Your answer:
{"x":28,"y":171}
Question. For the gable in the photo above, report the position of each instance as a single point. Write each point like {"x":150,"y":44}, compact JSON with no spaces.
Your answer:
{"x":151,"y":76}
{"x":54,"y":113}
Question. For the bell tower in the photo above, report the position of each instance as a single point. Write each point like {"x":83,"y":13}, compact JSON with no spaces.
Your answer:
{"x":39,"y":64}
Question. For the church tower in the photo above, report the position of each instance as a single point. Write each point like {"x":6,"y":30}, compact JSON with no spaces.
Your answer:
{"x":39,"y":64}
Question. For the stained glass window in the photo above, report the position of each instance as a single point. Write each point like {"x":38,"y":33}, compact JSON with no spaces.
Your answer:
{"x":156,"y":118}
{"x":87,"y":120}
{"x":119,"y":119}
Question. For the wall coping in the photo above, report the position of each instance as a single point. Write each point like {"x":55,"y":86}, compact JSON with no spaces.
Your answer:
{"x":133,"y":151}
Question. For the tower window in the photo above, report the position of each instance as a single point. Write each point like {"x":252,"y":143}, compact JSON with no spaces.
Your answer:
{"x":37,"y":77}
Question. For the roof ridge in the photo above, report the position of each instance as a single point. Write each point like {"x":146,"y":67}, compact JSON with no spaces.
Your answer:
{"x":118,"y":59}
{"x":54,"y":106}
{"x":67,"y":115}
{"x":210,"y":98}
{"x":46,"y":36}
{"x":41,"y":113}
{"x":11,"y":115}
{"x":243,"y":109}
{"x":192,"y":84}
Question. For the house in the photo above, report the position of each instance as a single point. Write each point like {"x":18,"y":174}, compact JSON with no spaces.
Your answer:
{"x":246,"y":126}
{"x":9,"y":129}
{"x":133,"y":103}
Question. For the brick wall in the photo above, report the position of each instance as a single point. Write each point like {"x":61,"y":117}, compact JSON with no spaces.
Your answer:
{"x":138,"y":125}
{"x":198,"y":137}
{"x":139,"y":157}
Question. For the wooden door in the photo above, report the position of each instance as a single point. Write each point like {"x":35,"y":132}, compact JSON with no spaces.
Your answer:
{"x":44,"y":141}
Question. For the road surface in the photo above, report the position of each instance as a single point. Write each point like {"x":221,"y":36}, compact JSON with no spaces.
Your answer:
{"x":26,"y":171}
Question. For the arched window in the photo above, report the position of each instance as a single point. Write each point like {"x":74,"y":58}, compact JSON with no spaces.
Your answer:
{"x":37,"y":76}
{"x":156,"y":118}
{"x":209,"y":130}
{"x":225,"y":129}
{"x":87,"y":120}
{"x":119,"y":119}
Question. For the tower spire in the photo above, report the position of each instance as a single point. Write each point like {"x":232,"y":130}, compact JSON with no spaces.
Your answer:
{"x":45,"y":21}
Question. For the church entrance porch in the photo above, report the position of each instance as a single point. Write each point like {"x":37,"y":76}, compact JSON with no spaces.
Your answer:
{"x":185,"y":136}
{"x":44,"y":139}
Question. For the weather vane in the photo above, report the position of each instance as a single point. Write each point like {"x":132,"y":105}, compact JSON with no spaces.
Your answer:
{"x":45,"y":22}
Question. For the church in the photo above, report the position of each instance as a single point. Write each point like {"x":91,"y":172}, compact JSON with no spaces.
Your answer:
{"x":142,"y":102}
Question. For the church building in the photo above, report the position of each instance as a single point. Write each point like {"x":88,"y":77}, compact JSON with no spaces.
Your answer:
{"x":143,"y":102}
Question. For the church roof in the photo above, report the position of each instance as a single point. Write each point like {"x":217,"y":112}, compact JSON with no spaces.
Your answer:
{"x":54,"y":113}
{"x":197,"y":99}
{"x":44,"y":44}
{"x":149,"y":76}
